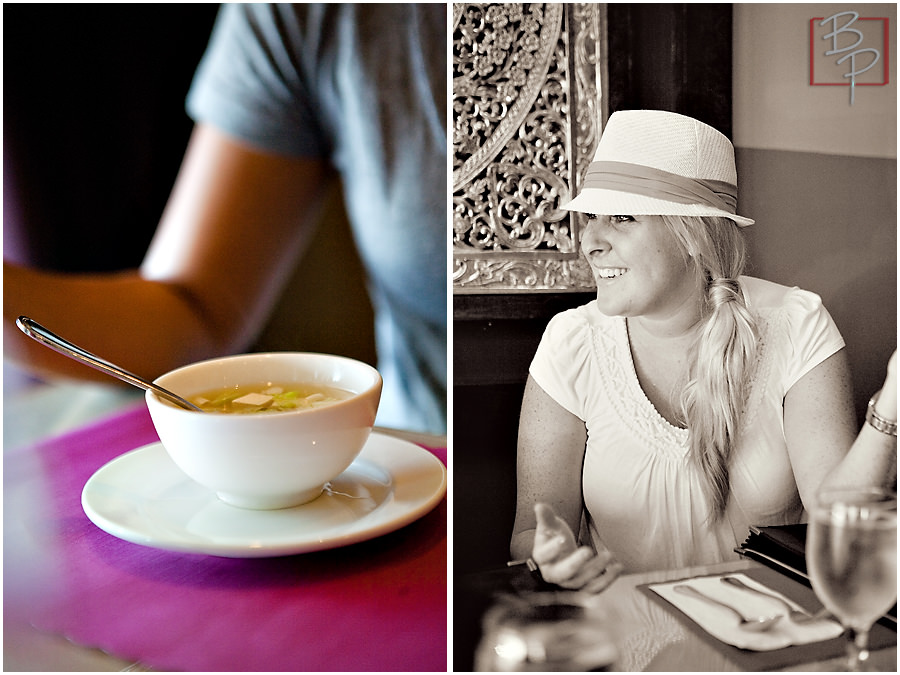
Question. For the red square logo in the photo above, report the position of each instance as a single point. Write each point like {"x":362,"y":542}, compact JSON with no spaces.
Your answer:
{"x":846,"y":49}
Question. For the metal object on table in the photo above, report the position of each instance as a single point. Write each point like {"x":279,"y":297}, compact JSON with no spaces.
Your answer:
{"x":794,"y":614}
{"x":37,"y":332}
{"x":756,"y":624}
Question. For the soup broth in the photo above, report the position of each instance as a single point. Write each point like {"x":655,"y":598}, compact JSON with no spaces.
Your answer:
{"x":269,"y":397}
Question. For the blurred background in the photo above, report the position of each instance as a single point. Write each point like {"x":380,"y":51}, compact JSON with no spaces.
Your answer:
{"x":94,"y":132}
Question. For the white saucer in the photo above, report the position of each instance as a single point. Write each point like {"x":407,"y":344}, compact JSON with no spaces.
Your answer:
{"x":142,"y":497}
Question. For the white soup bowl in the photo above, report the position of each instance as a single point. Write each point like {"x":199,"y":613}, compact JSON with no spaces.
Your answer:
{"x":269,"y":460}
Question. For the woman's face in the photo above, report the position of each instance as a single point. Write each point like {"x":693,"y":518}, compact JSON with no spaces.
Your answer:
{"x":639,"y":268}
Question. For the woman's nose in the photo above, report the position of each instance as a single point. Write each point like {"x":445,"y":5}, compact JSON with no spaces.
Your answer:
{"x":593,"y":241}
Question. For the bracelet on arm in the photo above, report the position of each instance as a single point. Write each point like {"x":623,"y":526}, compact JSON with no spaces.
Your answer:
{"x":877,"y":422}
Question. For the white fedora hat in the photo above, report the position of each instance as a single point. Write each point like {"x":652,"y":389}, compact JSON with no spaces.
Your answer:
{"x":652,"y":162}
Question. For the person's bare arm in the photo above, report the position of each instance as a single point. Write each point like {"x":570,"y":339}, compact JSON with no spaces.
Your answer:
{"x":818,"y":423}
{"x":235,"y":223}
{"x":549,"y":501}
{"x":821,"y":434}
{"x":549,"y":461}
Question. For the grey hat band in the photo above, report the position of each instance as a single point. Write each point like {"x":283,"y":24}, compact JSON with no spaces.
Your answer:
{"x":658,"y":184}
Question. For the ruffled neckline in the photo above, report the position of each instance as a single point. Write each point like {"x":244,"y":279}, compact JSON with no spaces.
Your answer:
{"x":626,"y":395}
{"x":613,"y":352}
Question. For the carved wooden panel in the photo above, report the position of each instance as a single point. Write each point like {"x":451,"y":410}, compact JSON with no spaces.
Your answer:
{"x":526,"y":119}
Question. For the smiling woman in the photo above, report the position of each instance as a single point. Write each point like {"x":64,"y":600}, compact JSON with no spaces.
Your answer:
{"x":688,"y":401}
{"x":637,"y":263}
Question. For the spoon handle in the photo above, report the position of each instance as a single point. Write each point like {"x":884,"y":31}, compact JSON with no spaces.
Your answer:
{"x":740,"y":584}
{"x":693,"y":592}
{"x":48,"y":338}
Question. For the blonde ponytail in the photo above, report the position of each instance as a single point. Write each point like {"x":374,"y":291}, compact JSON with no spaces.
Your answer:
{"x":723,"y":354}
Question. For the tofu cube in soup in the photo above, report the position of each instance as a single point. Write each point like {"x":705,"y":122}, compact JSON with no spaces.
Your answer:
{"x":253,"y":400}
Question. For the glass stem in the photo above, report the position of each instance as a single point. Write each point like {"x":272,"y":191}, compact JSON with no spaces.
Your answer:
{"x":857,"y":649}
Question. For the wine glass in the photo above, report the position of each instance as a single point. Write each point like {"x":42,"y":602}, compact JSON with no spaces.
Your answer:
{"x":545,"y":632}
{"x":851,"y":556}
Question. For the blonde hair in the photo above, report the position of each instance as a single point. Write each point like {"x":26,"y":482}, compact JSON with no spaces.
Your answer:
{"x":724,"y":352}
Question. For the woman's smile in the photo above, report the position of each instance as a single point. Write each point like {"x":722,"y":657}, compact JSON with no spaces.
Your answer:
{"x":610,"y":272}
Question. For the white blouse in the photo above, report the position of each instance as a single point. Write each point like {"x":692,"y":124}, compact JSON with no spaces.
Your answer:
{"x":643,"y":496}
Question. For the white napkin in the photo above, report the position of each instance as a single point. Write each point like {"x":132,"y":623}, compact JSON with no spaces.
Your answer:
{"x":723,"y":625}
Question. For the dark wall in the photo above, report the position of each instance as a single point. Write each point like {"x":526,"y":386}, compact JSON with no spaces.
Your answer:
{"x":94,"y":126}
{"x":673,"y":57}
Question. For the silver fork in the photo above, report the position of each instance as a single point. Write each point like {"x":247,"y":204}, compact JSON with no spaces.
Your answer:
{"x":794,"y":614}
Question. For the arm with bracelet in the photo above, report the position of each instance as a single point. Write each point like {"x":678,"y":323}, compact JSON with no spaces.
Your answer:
{"x":872,"y":459}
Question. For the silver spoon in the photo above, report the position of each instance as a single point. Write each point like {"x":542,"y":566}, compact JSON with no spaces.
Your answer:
{"x":756,"y":624}
{"x":36,"y":331}
{"x":794,"y":614}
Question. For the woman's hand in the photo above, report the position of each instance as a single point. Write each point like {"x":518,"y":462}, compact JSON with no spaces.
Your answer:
{"x":562,"y":562}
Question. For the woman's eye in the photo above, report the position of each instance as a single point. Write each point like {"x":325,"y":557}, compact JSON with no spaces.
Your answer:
{"x":612,"y":219}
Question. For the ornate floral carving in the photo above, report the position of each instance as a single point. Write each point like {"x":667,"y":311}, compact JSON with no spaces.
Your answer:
{"x":525,"y":92}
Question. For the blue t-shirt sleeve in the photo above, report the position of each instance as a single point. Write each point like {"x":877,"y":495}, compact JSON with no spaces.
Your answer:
{"x":253,"y":84}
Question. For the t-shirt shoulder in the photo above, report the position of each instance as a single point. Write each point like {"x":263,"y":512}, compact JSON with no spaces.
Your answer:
{"x":810,"y":334}
{"x":564,"y":352}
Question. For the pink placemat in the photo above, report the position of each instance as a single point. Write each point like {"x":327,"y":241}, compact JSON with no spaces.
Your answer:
{"x":379,"y":605}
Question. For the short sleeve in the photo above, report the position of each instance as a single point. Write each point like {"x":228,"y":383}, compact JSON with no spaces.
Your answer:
{"x":812,"y":334}
{"x":561,"y":363}
{"x":252,"y":81}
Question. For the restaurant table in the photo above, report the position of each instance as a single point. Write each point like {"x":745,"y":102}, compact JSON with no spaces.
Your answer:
{"x":648,"y":633}
{"x":78,"y":598}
